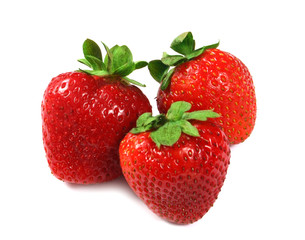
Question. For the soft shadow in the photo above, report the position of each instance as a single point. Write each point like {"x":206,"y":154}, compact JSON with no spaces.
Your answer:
{"x":118,"y":183}
{"x":234,"y":146}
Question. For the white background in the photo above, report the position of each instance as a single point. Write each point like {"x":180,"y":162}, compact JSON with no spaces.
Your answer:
{"x":263,"y":196}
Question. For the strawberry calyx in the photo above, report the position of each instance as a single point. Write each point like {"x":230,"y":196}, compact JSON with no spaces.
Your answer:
{"x":117,"y":62}
{"x":184,"y":44}
{"x":167,"y":129}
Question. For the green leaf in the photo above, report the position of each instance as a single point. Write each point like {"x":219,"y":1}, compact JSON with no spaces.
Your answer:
{"x":159,"y":121}
{"x":157,"y":69}
{"x":121,"y":62}
{"x":195,"y":53}
{"x":92,"y":49}
{"x":143,"y":124}
{"x":201,"y":115}
{"x":134,"y":82}
{"x":140,"y":129}
{"x":85,"y":61}
{"x":166,"y":135}
{"x":188,"y":128}
{"x":166,"y":130}
{"x":118,"y":61}
{"x":199,"y":51}
{"x":96,"y":63}
{"x":147,"y":122}
{"x":151,"y":121}
{"x":140,"y":64}
{"x":154,"y":137}
{"x":215,"y":45}
{"x":184,"y":43}
{"x":108,"y":57}
{"x":172,"y":60}
{"x":167,"y":79}
{"x":177,"y":109}
{"x":95,"y":72}
{"x":142,"y":119}
{"x":122,"y":56}
{"x":125,"y":69}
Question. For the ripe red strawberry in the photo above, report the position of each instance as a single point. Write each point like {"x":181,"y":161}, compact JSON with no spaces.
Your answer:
{"x":208,"y":78}
{"x":175,"y":167}
{"x":87,"y":113}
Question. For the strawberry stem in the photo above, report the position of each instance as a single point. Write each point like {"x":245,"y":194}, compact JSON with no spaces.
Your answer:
{"x":162,"y":70}
{"x":117,"y":62}
{"x":167,"y":129}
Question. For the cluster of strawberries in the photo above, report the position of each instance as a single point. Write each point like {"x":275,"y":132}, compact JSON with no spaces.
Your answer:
{"x":97,"y":124}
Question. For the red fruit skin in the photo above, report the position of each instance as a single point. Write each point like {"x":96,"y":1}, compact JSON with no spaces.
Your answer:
{"x":178,"y":183}
{"x":84,"y":118}
{"x":215,"y":80}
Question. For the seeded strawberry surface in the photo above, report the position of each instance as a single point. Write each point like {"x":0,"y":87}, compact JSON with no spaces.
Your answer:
{"x":84,"y":119}
{"x":181,"y":182}
{"x":215,"y":80}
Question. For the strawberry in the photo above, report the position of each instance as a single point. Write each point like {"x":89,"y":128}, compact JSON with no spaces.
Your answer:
{"x":208,"y":78}
{"x":176,"y":163}
{"x":87,"y":113}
